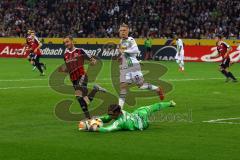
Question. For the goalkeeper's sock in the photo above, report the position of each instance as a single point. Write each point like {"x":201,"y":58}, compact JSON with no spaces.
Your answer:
{"x":231,"y":76}
{"x":84,"y":106}
{"x":148,"y":86}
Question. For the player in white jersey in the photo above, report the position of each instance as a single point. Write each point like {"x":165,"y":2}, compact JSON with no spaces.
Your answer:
{"x":130,"y":69}
{"x":180,"y":53}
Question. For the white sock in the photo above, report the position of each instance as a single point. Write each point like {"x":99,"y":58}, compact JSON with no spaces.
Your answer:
{"x":148,"y":86}
{"x":182,"y":65}
{"x":121,"y":102}
{"x":122,"y":98}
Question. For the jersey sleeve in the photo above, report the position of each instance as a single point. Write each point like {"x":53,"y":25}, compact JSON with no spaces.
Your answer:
{"x":37,"y":40}
{"x":133,"y":49}
{"x":115,"y":126}
{"x":86,"y":54}
{"x":227,"y":45}
{"x":105,"y":118}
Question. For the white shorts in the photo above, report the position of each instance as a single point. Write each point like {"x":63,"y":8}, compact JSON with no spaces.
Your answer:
{"x":179,"y":57}
{"x":133,"y":75}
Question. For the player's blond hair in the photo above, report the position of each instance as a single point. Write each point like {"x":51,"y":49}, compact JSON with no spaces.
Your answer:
{"x":30,"y":31}
{"x":124,"y":25}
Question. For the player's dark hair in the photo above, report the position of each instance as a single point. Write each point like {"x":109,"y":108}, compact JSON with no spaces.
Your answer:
{"x":70,"y":37}
{"x":219,"y":36}
{"x":114,"y":108}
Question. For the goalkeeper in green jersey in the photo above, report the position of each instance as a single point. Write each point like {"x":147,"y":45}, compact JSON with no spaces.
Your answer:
{"x":137,"y":120}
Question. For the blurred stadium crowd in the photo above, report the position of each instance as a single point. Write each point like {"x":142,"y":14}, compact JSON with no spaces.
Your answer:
{"x":101,"y":18}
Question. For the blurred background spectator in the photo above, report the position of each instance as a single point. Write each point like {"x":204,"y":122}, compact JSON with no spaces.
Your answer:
{"x":101,"y":18}
{"x":148,"y":48}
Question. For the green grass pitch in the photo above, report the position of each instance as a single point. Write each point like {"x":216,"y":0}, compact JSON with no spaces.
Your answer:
{"x":29,"y":130}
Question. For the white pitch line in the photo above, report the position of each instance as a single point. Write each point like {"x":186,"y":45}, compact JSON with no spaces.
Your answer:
{"x":108,"y":79}
{"x":222,"y":121}
{"x":27,"y":87}
{"x":17,"y":80}
{"x":195,"y":79}
{"x":225,"y":122}
{"x":104,"y":79}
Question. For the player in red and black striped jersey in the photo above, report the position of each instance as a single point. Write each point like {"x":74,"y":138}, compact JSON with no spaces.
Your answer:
{"x":74,"y":61}
{"x":33,"y":46}
{"x":29,"y":52}
{"x":224,"y":50}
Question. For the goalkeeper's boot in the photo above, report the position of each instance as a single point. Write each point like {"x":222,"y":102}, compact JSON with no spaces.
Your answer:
{"x":160,"y":93}
{"x":99,"y":88}
{"x":42,"y":74}
{"x":173,"y":104}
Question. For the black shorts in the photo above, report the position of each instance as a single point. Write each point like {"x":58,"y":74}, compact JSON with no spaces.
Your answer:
{"x":31,"y":56}
{"x":36,"y":59}
{"x":149,"y":49}
{"x":81,"y":84}
{"x":225,"y":63}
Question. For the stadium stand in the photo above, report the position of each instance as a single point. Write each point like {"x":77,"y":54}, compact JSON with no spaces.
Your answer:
{"x":101,"y":18}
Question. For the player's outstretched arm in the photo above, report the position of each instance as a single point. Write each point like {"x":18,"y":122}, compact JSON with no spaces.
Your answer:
{"x":229,"y":49}
{"x":110,"y":128}
{"x":63,"y":69}
{"x":105,"y":118}
{"x":93,"y":61}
